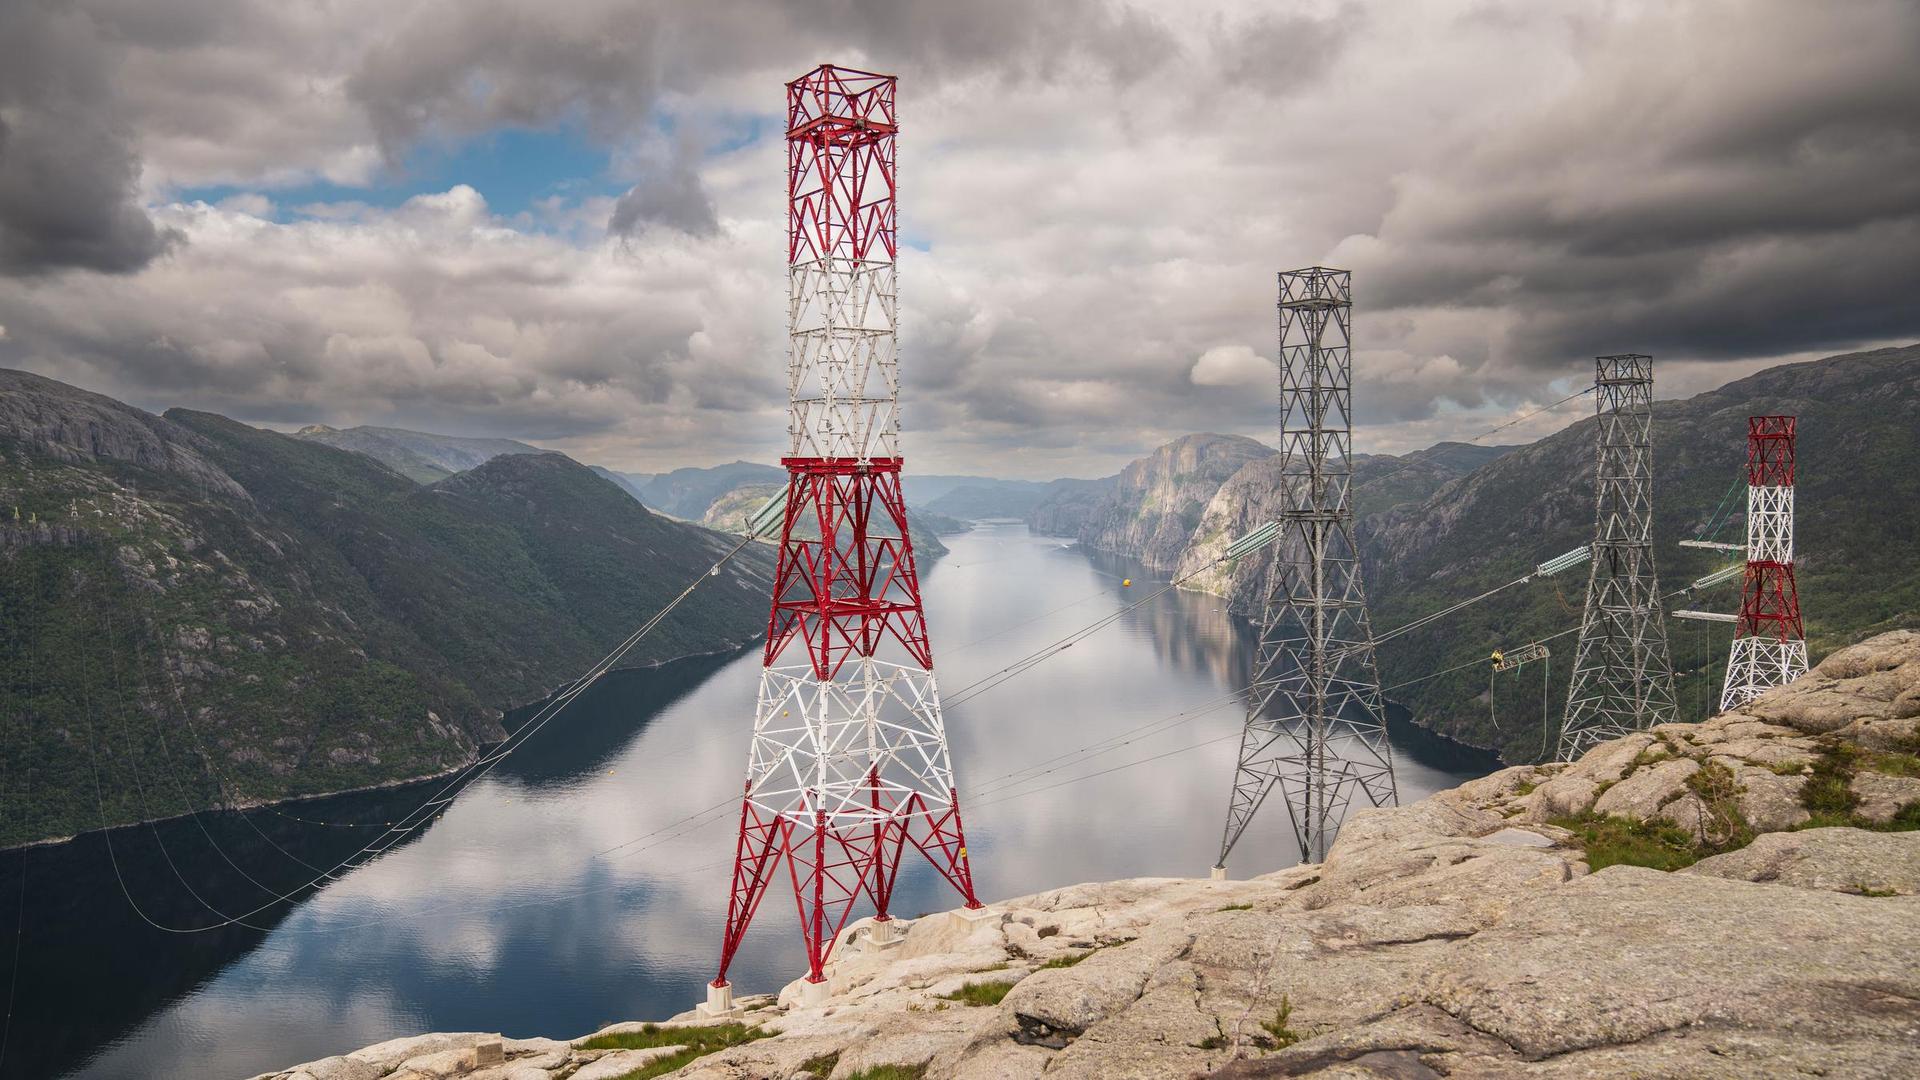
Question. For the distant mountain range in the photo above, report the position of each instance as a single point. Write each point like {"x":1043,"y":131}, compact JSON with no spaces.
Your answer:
{"x":417,"y":455}
{"x":1445,"y":523}
{"x":713,"y":495}
{"x":255,"y":615}
{"x":974,"y":498}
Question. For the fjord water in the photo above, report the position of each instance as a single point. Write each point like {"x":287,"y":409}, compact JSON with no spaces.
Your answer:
{"x":559,"y":893}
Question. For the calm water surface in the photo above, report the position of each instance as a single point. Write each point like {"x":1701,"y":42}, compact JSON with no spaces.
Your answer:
{"x":558,"y":893}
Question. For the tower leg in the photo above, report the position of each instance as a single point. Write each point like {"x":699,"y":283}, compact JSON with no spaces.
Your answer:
{"x":1253,"y":780}
{"x":756,"y":857}
{"x":944,"y":842}
{"x":831,"y":869}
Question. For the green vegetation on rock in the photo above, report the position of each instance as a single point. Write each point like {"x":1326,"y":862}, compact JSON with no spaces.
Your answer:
{"x":980,"y":993}
{"x":696,"y":1042}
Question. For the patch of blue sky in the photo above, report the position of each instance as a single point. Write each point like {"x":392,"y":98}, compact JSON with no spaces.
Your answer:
{"x":512,"y":168}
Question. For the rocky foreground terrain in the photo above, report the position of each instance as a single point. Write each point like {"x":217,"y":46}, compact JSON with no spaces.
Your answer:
{"x":1501,"y":929}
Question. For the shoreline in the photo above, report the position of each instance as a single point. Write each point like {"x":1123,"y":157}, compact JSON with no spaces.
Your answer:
{"x":385,"y":785}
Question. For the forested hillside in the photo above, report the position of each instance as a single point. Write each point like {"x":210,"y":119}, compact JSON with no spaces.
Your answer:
{"x":1857,"y":553}
{"x":200,"y":613}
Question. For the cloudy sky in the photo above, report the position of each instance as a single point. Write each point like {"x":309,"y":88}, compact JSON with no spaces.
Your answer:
{"x":564,"y":221}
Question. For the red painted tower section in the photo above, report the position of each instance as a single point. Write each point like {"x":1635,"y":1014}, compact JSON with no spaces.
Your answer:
{"x":1770,"y":603}
{"x":1769,"y":647}
{"x":849,"y":765}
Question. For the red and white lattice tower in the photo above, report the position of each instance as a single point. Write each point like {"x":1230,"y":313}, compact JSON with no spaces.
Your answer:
{"x":849,"y":763}
{"x":1769,"y":648}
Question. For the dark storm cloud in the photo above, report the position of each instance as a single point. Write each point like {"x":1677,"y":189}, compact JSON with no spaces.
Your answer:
{"x":671,"y":196}
{"x":68,"y":168}
{"x":463,"y":66}
{"x":460,"y":67}
{"x":1739,"y":180}
{"x":1096,"y":196}
{"x":1278,"y":52}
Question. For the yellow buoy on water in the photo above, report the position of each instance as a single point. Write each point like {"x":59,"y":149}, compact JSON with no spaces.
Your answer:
{"x":1126,"y":583}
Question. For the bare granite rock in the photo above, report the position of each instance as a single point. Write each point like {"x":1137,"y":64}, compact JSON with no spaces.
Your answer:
{"x":1878,"y":679}
{"x":1769,"y":801}
{"x":1838,"y":860}
{"x":1882,"y":796}
{"x":1643,"y":794}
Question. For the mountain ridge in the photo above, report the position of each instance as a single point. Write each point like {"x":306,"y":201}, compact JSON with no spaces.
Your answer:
{"x":271,"y":617}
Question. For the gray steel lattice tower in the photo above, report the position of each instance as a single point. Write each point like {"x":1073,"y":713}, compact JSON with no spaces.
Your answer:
{"x":1622,"y":673}
{"x":1315,"y":724}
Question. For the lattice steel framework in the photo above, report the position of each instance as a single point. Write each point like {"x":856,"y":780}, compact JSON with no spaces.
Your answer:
{"x":849,"y":763}
{"x":1622,"y":671}
{"x":1769,"y":647}
{"x":1315,"y":723}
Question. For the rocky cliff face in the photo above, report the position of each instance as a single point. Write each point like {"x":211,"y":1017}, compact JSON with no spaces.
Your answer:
{"x":1516,"y":926}
{"x":689,"y":493}
{"x":1255,"y":494}
{"x":1068,"y":505}
{"x":1151,"y":509}
{"x":73,"y":426}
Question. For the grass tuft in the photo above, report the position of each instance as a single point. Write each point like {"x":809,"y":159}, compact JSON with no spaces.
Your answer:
{"x":820,"y":1066}
{"x":1277,"y":1029}
{"x":980,"y":993}
{"x":1068,"y":960}
{"x":1616,"y":841}
{"x":1896,"y":763}
{"x":1726,"y":827}
{"x":699,"y":1041}
{"x":891,"y":1072}
{"x":1828,"y":792}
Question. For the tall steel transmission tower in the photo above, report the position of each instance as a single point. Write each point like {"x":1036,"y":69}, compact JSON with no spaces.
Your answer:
{"x":849,"y":763}
{"x":1315,"y":724}
{"x":1622,"y":673}
{"x":1769,"y":647}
